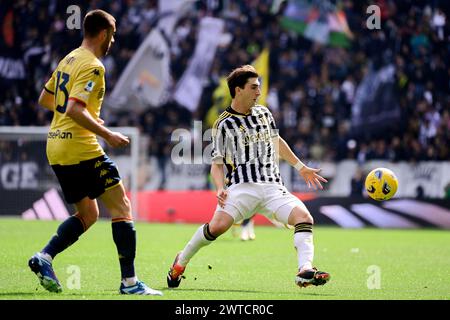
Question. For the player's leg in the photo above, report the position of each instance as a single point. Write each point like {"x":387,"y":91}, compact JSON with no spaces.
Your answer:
{"x":235,"y":230}
{"x":248,"y":230}
{"x":290,"y":210}
{"x":245,"y":230}
{"x":73,"y":227}
{"x":68,"y":232}
{"x":303,"y":223}
{"x":241,"y":198}
{"x":204,"y":236}
{"x":123,"y":231}
{"x":124,"y":236}
{"x":251,"y":229}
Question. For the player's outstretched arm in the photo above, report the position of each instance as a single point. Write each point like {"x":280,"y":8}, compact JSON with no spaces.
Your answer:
{"x":310,"y":175}
{"x":78,"y":112}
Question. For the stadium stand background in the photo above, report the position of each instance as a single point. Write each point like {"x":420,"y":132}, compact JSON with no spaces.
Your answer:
{"x":312,"y":86}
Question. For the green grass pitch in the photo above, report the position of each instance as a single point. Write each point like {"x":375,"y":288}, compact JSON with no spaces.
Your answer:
{"x":364,"y":264}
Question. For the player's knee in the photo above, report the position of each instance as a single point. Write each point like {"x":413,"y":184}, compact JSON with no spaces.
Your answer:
{"x":299,"y":215}
{"x":215,"y":230}
{"x":126,"y":206}
{"x":122,"y":208}
{"x":218,"y":228}
{"x":88,"y":217}
{"x":220,"y":223}
{"x":92,"y":217}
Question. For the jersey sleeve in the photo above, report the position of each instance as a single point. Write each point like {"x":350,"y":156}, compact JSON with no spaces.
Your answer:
{"x":273,"y":126}
{"x":218,"y":140}
{"x":50,"y":84}
{"x":85,"y":83}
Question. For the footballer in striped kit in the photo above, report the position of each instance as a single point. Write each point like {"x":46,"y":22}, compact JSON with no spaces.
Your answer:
{"x":246,"y":145}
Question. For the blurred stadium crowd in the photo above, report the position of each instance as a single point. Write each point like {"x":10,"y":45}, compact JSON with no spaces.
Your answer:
{"x":312,"y":86}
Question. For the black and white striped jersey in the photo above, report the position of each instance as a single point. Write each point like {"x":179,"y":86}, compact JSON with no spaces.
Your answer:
{"x":244,"y":143}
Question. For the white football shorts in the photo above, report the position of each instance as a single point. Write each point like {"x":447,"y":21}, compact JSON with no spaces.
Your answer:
{"x":271,"y":200}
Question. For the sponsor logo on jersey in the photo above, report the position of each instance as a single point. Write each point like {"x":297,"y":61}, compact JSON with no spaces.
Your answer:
{"x":59,"y":134}
{"x":263,"y":136}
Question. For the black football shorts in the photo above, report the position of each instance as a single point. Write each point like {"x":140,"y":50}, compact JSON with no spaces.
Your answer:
{"x":89,"y":178}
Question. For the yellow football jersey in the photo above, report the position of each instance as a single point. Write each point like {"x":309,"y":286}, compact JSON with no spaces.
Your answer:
{"x":79,"y":76}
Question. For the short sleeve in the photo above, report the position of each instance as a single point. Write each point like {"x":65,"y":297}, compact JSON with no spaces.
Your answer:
{"x":85,"y":83}
{"x":273,"y":126}
{"x":50,"y":84}
{"x":218,"y":140}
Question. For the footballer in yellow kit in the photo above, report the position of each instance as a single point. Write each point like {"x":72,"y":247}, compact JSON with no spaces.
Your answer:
{"x":80,"y":164}
{"x":79,"y":76}
{"x":74,"y":94}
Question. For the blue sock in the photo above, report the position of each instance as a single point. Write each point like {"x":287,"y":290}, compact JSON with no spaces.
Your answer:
{"x":124,"y":236}
{"x":68,"y":232}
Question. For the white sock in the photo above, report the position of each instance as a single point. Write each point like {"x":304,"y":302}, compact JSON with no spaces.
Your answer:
{"x":303,"y":242}
{"x":197,"y":241}
{"x":128,"y":282}
{"x":251,"y":229}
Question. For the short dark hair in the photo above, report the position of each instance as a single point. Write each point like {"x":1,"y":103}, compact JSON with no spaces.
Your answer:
{"x":95,"y":21}
{"x":239,"y":76}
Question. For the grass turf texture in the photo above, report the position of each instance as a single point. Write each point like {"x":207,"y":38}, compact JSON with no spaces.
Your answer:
{"x":413,"y":264}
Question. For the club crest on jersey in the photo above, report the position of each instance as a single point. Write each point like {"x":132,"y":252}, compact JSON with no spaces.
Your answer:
{"x":89,"y":86}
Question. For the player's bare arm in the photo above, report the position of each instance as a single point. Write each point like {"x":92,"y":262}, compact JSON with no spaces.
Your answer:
{"x":78,"y":112}
{"x":47,"y":100}
{"x":310,"y":175}
{"x":218,"y":179}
